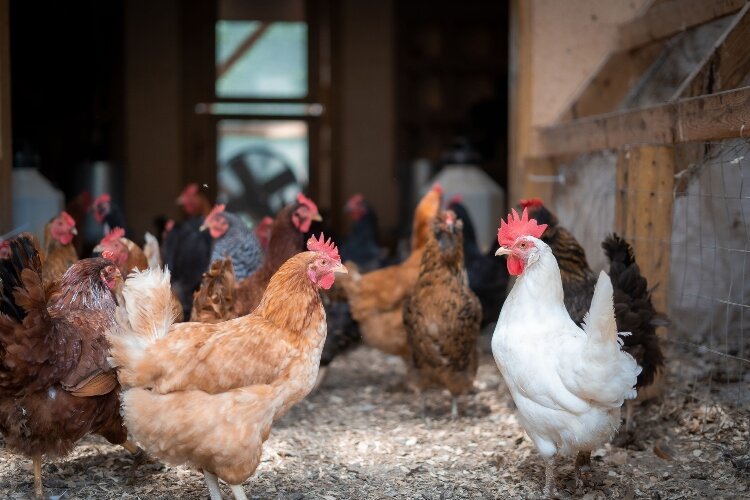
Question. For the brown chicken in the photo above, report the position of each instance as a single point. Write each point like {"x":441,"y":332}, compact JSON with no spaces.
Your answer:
{"x":377,"y":298}
{"x":216,"y":297}
{"x":442,"y":315}
{"x":56,"y":385}
{"x":287,"y":239}
{"x":124,"y":253}
{"x":59,"y":252}
{"x":208,"y":394}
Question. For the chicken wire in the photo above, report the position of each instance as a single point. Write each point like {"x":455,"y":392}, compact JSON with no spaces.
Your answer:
{"x":709,"y":286}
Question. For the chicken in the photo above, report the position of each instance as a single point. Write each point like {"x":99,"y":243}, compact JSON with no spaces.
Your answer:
{"x":634,"y":311}
{"x":567,"y":382}
{"x":187,"y":249}
{"x":488,"y":277}
{"x":442,"y":315}
{"x":361,"y":245}
{"x":232,"y":238}
{"x":215,"y":298}
{"x":208,"y":394}
{"x":59,"y":252}
{"x":287,"y":239}
{"x":55,"y":383}
{"x":377,"y":298}
{"x":108,"y":214}
{"x":123,"y":252}
{"x":263,"y":231}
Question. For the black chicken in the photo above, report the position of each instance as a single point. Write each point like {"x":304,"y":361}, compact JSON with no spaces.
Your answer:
{"x":361,"y":245}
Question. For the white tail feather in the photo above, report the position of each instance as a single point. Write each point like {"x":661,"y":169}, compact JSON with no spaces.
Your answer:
{"x":600,"y":320}
{"x":151,"y":250}
{"x":145,"y":316}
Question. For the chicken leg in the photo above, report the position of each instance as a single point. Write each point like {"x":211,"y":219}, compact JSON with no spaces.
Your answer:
{"x":549,"y":478}
{"x":583,"y":465}
{"x":454,"y":407}
{"x":213,"y":485}
{"x":238,"y":491}
{"x":37,"y":459}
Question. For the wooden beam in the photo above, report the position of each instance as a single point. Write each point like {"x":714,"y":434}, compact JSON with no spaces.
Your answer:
{"x":717,"y":116}
{"x":612,"y":81}
{"x":643,"y":212}
{"x":669,"y":17}
{"x":520,"y":135}
{"x":6,"y":148}
{"x":727,"y":65}
{"x":242,"y":49}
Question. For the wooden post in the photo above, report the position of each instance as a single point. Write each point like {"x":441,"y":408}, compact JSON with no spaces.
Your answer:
{"x":643,"y":212}
{"x":6,"y":149}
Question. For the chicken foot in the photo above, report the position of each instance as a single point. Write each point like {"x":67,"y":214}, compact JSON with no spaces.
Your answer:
{"x":582,"y":466}
{"x":213,"y":485}
{"x":238,"y":491}
{"x":38,"y":491}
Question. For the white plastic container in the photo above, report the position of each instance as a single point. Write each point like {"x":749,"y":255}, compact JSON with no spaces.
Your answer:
{"x":483,"y":198}
{"x":35,"y":201}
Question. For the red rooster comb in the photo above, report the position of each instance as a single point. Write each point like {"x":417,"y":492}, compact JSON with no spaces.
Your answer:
{"x":109,"y":255}
{"x":216,"y":210}
{"x":437,"y":188}
{"x":355,"y":199}
{"x":190,"y":190}
{"x":113,"y":236}
{"x":456,"y":198}
{"x":102,"y":198}
{"x":304,"y":200}
{"x":518,"y":226}
{"x":531,"y":203}
{"x":324,"y":246}
{"x":67,"y":219}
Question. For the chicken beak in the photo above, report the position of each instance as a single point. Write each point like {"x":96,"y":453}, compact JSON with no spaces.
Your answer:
{"x":503,"y":251}
{"x":203,"y":227}
{"x":341,"y":269}
{"x":317,"y":218}
{"x":74,"y":231}
{"x":98,"y":248}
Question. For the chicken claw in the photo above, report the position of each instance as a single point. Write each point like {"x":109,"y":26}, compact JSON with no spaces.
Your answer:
{"x":549,"y":478}
{"x":582,"y":467}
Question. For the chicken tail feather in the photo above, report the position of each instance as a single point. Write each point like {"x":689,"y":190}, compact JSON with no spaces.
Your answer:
{"x":21,"y":289}
{"x":600,"y":320}
{"x":145,"y":316}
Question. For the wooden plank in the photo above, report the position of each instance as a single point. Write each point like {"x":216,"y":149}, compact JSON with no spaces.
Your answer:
{"x":520,"y":135}
{"x":727,"y":65}
{"x":717,"y":116}
{"x":643,"y":212}
{"x":6,"y":148}
{"x":539,"y":179}
{"x":669,"y":17}
{"x":612,"y":81}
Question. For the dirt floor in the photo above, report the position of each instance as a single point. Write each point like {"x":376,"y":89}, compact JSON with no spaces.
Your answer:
{"x":361,"y":437}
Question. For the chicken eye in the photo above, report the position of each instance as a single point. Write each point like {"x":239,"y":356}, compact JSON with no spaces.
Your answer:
{"x":523,"y":245}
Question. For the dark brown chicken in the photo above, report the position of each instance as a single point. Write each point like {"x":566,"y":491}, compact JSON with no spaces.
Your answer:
{"x":442,"y":315}
{"x":287,"y":240}
{"x":216,"y":296}
{"x":56,"y":385}
{"x":634,"y":311}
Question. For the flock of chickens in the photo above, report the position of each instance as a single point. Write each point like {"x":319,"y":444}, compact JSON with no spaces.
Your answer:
{"x":195,"y":360}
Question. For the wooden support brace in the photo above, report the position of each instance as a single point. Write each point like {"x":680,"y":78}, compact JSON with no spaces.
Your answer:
{"x":539,"y":179}
{"x":643,"y":212}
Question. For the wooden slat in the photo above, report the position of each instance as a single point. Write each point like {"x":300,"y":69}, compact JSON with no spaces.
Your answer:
{"x":643,"y":212}
{"x":538,"y":182}
{"x":612,"y":81}
{"x":669,"y":17}
{"x":717,"y":116}
{"x":6,"y":148}
{"x":728,"y":63}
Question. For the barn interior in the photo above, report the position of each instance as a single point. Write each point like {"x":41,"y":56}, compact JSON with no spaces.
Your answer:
{"x":619,"y":117}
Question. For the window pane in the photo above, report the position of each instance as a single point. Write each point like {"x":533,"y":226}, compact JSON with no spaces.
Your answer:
{"x":261,"y":59}
{"x":263,"y":164}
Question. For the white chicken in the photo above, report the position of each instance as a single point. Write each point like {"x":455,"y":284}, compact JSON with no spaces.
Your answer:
{"x":568,"y":383}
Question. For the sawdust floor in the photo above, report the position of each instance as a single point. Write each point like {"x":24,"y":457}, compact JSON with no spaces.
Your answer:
{"x":356,"y":438}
